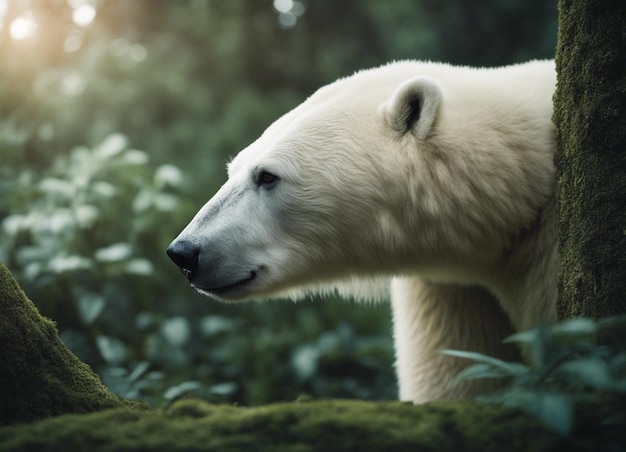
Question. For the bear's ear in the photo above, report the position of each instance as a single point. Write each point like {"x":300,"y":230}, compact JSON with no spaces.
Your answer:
{"x":414,"y":106}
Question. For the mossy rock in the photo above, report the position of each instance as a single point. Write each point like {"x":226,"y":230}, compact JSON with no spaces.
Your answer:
{"x":39,"y":376}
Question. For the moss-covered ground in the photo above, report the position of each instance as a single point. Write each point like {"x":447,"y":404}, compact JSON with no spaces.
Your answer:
{"x":296,"y":426}
{"x":50,"y":400}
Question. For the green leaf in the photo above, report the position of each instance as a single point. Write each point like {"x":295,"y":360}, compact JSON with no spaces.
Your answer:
{"x":611,"y":323}
{"x":143,"y":200}
{"x":592,"y":371}
{"x":114,"y":253}
{"x":62,"y":264}
{"x":139,"y":370}
{"x":481,"y":370}
{"x":139,"y":266}
{"x":523,"y":337}
{"x":86,"y":215}
{"x":212,"y":325}
{"x":166,"y":202}
{"x":553,"y":409}
{"x":103,"y":190}
{"x":175,"y":392}
{"x":556,"y":411}
{"x":90,"y":306}
{"x":512,"y":369}
{"x":13,"y":224}
{"x":176,"y":331}
{"x":111,"y":146}
{"x":168,"y":176}
{"x":135,"y":157}
{"x":581,"y":326}
{"x":111,"y":349}
{"x":57,"y":187}
{"x":305,"y":360}
{"x":224,"y":389}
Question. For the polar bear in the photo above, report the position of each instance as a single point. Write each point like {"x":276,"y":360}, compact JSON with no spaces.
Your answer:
{"x":425,"y":182}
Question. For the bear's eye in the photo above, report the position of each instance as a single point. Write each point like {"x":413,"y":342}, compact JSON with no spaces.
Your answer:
{"x":267,"y":180}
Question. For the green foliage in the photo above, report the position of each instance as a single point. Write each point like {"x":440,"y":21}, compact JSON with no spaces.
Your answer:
{"x":568,"y":364}
{"x":67,"y":220}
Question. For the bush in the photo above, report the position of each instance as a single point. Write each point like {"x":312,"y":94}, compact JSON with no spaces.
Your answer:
{"x":578,"y":360}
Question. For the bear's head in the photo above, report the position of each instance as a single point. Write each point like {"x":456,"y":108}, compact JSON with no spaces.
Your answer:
{"x":353,"y":183}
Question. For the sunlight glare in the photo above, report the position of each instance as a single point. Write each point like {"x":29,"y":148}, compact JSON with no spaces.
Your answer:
{"x":283,"y":6}
{"x":23,"y":27}
{"x":84,"y":15}
{"x":288,"y":12}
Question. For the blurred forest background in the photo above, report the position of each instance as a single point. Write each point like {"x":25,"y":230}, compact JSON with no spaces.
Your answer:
{"x":116,"y":120}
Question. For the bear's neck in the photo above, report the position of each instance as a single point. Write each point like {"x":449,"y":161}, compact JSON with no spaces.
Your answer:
{"x":521,"y":275}
{"x":525,"y":280}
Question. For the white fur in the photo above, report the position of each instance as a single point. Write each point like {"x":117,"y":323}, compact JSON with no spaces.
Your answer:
{"x":430,"y":182}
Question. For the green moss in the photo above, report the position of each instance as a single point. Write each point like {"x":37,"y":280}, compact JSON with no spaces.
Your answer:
{"x":316,"y":425}
{"x":39,"y":376}
{"x":589,"y":115}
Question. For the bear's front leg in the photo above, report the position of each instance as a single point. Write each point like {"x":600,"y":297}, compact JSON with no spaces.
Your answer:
{"x":429,"y":317}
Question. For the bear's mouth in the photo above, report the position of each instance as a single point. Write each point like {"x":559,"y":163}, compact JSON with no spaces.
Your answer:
{"x":228,"y":290}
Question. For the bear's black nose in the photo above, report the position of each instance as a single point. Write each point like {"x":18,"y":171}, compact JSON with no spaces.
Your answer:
{"x":185,"y":255}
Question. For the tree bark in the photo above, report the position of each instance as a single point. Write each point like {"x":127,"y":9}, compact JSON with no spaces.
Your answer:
{"x":39,"y":376}
{"x":590,"y":120}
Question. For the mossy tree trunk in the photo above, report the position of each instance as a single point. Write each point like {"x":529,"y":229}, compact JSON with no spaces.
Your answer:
{"x":590,"y":119}
{"x":39,"y":376}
